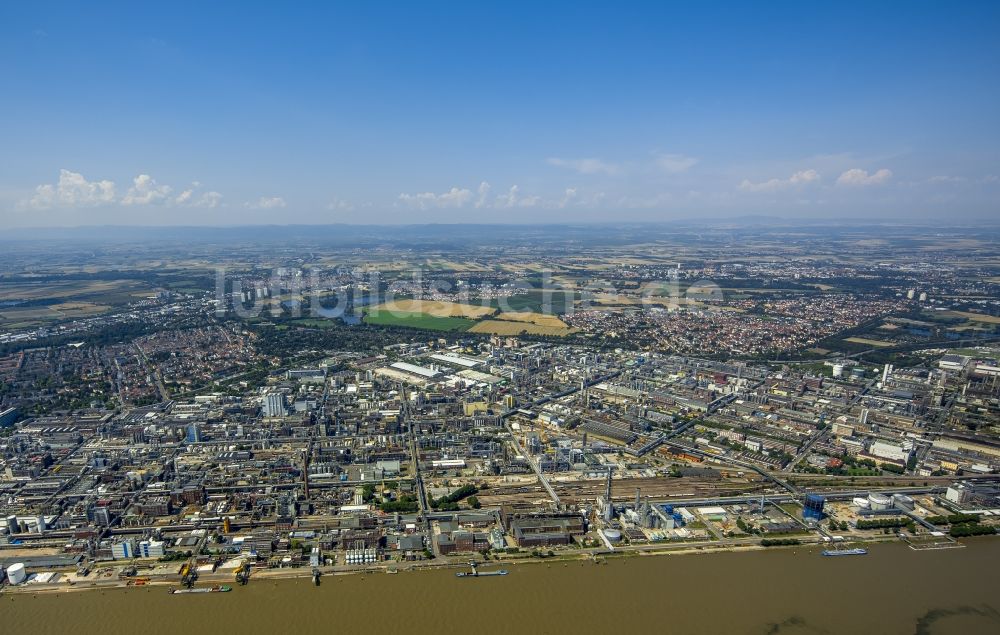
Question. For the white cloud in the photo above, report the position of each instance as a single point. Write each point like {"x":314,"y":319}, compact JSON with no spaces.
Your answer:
{"x":184,"y":197}
{"x":674,"y":163}
{"x":145,"y":191}
{"x":454,"y":197}
{"x":464,"y":198}
{"x":858,"y":177}
{"x":189,"y":198}
{"x":211,"y":200}
{"x":513,"y":198}
{"x":510,"y":198}
{"x":482,"y":192}
{"x":584,"y":166}
{"x":802,"y":177}
{"x":72,"y":190}
{"x":569,"y":197}
{"x":267,"y":202}
{"x":340,"y":205}
{"x":944,"y":178}
{"x":805,"y":176}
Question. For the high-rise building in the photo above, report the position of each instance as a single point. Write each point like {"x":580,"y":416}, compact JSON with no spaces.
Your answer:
{"x":102,"y":515}
{"x":193,"y":434}
{"x":274,"y":404}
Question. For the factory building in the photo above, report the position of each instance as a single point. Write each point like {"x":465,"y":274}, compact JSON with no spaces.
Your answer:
{"x":274,"y":404}
{"x":123,"y":550}
{"x":150,"y":549}
{"x":812,"y":509}
{"x":413,"y":369}
{"x":545,"y":529}
{"x":958,"y":493}
{"x":891,"y":451}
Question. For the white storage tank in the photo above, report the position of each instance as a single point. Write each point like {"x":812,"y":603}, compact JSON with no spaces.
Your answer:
{"x":16,"y":573}
{"x":613,"y":535}
{"x":879,"y":502}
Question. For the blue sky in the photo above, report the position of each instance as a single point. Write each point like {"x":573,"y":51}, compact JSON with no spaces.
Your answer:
{"x":215,"y":113}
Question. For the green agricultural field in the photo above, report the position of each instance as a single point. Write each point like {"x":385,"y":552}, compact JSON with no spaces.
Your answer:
{"x":535,"y":300}
{"x":419,"y":321}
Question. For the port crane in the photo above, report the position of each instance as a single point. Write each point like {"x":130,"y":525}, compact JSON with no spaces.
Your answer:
{"x":243,"y":574}
{"x":189,"y":574}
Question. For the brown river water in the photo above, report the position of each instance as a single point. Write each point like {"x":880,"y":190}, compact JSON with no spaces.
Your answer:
{"x":891,"y":590}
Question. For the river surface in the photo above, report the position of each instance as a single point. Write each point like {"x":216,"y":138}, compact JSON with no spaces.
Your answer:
{"x":891,"y":590}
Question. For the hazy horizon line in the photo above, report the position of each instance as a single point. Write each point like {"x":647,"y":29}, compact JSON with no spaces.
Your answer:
{"x":848,"y":221}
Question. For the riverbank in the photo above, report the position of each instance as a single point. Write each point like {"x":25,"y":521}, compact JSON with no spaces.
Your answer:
{"x":590,"y":555}
{"x":784,"y":591}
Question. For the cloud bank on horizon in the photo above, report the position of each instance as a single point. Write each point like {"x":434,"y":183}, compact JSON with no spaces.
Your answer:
{"x":357,"y":114}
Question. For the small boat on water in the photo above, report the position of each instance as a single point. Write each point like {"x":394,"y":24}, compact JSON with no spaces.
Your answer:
{"x":845,"y":552}
{"x":218,"y":588}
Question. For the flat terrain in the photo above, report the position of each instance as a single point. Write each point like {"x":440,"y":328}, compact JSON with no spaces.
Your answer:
{"x":67,"y":289}
{"x":974,"y":317}
{"x":420,"y":321}
{"x":532,"y":317}
{"x":433,"y":308}
{"x":863,"y":340}
{"x":507,"y":327}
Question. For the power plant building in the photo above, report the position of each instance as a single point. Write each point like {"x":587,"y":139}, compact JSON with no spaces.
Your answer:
{"x":274,"y":404}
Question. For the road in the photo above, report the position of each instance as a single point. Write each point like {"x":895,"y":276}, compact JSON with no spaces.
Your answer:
{"x":771,"y":476}
{"x":534,"y":464}
{"x":934,"y":429}
{"x":824,"y":433}
{"x":154,"y":372}
{"x":538,"y":402}
{"x":418,"y":481}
